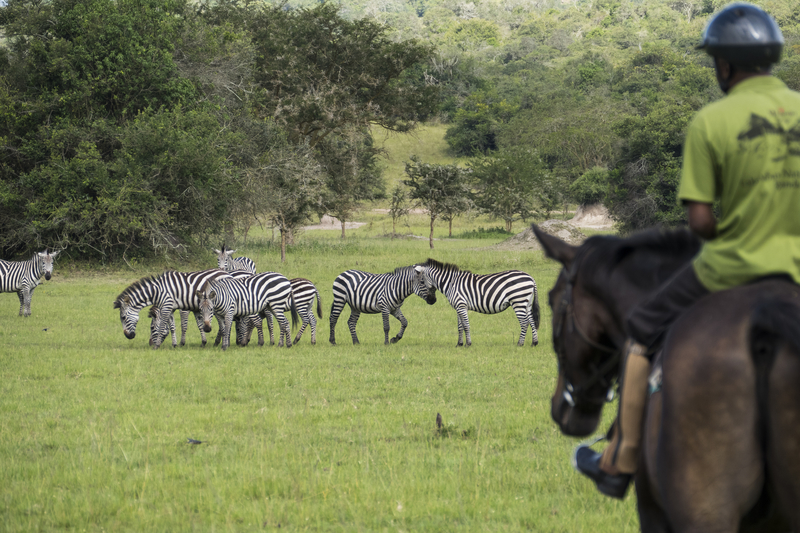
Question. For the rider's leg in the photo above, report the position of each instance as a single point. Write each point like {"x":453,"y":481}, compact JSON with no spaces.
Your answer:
{"x":648,"y":323}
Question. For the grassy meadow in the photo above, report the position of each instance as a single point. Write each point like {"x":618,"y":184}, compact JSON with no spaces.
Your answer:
{"x":94,"y":427}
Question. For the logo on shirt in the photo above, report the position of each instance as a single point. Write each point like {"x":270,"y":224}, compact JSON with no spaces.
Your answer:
{"x":762,"y":131}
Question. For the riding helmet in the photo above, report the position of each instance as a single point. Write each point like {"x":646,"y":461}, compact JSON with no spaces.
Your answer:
{"x":745,"y":36}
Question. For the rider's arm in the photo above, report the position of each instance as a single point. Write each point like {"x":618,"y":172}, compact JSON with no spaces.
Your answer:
{"x":701,"y":219}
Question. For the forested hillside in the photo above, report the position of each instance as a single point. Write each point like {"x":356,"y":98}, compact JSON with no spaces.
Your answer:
{"x":130,"y":128}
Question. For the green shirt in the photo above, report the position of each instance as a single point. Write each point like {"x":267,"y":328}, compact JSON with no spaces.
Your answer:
{"x":745,"y":151}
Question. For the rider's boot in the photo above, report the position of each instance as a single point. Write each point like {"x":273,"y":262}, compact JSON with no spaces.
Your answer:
{"x":613,"y":469}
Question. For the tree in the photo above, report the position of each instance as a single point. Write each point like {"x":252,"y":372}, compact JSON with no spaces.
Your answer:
{"x":283,"y":183}
{"x":352,"y":173}
{"x":435,"y":187}
{"x":319,"y":74}
{"x":398,"y":206}
{"x":505,"y":184}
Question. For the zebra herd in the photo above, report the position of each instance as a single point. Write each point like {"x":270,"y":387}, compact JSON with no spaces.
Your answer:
{"x":235,"y":294}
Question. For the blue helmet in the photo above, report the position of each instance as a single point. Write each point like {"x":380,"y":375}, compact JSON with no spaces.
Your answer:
{"x":745,"y":36}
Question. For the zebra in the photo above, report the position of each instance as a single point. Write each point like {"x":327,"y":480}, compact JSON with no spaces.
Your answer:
{"x":157,"y":291}
{"x":487,"y":293}
{"x":303,"y":294}
{"x":371,"y":293}
{"x":228,"y":298}
{"x":23,"y":277}
{"x":228,"y":263}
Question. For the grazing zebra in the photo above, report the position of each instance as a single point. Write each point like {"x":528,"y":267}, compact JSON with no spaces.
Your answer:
{"x":376,"y":293}
{"x":158,"y":291}
{"x":488,"y":293}
{"x":23,"y":277}
{"x":303,"y":294}
{"x":228,"y":298}
{"x":226,"y":262}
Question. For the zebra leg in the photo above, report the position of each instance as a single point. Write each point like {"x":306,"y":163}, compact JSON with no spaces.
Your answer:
{"x":313,"y":321}
{"x":336,"y":309}
{"x":351,"y":323}
{"x":260,"y":328}
{"x":463,"y":327}
{"x":172,"y":331}
{"x":21,"y":302}
{"x":306,"y":320}
{"x":225,"y":325}
{"x":184,"y":325}
{"x":524,"y":319}
{"x":283,"y":324}
{"x":385,"y":317}
{"x":201,"y":325}
{"x":534,"y":333}
{"x":403,"y":324}
{"x":268,"y":317}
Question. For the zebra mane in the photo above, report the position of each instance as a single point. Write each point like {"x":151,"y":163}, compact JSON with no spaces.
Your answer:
{"x":446,"y":267}
{"x":132,"y":288}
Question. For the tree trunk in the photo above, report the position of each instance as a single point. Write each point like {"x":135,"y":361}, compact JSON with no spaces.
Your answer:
{"x":283,"y":246}
{"x":450,"y":233}
{"x":393,"y":225}
{"x":508,"y":225}
{"x":430,"y":239}
{"x":342,"y":228}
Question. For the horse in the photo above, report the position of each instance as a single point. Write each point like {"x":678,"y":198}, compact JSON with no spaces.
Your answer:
{"x":721,"y":433}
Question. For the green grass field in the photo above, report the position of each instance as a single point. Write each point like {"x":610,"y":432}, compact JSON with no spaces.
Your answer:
{"x":94,"y":427}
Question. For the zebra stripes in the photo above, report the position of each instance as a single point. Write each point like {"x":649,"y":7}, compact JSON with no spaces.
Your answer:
{"x":228,"y":263}
{"x":371,"y":293}
{"x":23,"y":277}
{"x":488,"y":294}
{"x":303,"y":294}
{"x":228,"y":298}
{"x":167,"y":292}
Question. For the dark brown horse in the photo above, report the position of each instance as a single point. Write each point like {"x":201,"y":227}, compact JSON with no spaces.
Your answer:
{"x":721,"y":447}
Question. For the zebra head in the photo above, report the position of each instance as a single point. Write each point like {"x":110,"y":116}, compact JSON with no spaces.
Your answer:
{"x":46,"y":263}
{"x":128,"y":315}
{"x":422,"y":285}
{"x":155,"y":322}
{"x":224,"y":261}
{"x":206,"y":296}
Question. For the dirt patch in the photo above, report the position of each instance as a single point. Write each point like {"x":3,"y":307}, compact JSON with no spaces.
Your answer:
{"x":594,"y":216}
{"x":526,"y":240}
{"x":332,"y":223}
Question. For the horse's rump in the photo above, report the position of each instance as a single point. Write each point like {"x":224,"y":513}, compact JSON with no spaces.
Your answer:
{"x":727,"y":422}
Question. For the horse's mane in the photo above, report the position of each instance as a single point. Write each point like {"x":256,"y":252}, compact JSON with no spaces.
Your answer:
{"x":652,"y":247}
{"x":445,"y":267}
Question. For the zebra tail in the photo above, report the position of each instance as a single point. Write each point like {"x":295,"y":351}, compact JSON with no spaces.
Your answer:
{"x":773,"y":325}
{"x":295,"y":316}
{"x":319,"y":303}
{"x":535,"y":311}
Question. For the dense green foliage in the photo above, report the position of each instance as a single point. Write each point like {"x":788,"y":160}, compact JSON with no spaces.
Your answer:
{"x":130,"y":127}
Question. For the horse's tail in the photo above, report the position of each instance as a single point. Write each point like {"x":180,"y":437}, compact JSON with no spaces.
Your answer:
{"x":774,"y":324}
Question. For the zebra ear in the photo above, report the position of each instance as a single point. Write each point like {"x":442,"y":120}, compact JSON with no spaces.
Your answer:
{"x":53,"y":254}
{"x":418,"y":269}
{"x":212,"y":295}
{"x":229,"y":252}
{"x":217,"y":251}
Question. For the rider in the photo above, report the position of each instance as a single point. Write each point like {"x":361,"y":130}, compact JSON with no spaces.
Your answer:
{"x":743,"y":150}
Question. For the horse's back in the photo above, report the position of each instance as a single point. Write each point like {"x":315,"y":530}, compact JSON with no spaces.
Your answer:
{"x":729,"y":414}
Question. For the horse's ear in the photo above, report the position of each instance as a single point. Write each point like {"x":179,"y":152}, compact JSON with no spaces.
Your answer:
{"x":555,"y":248}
